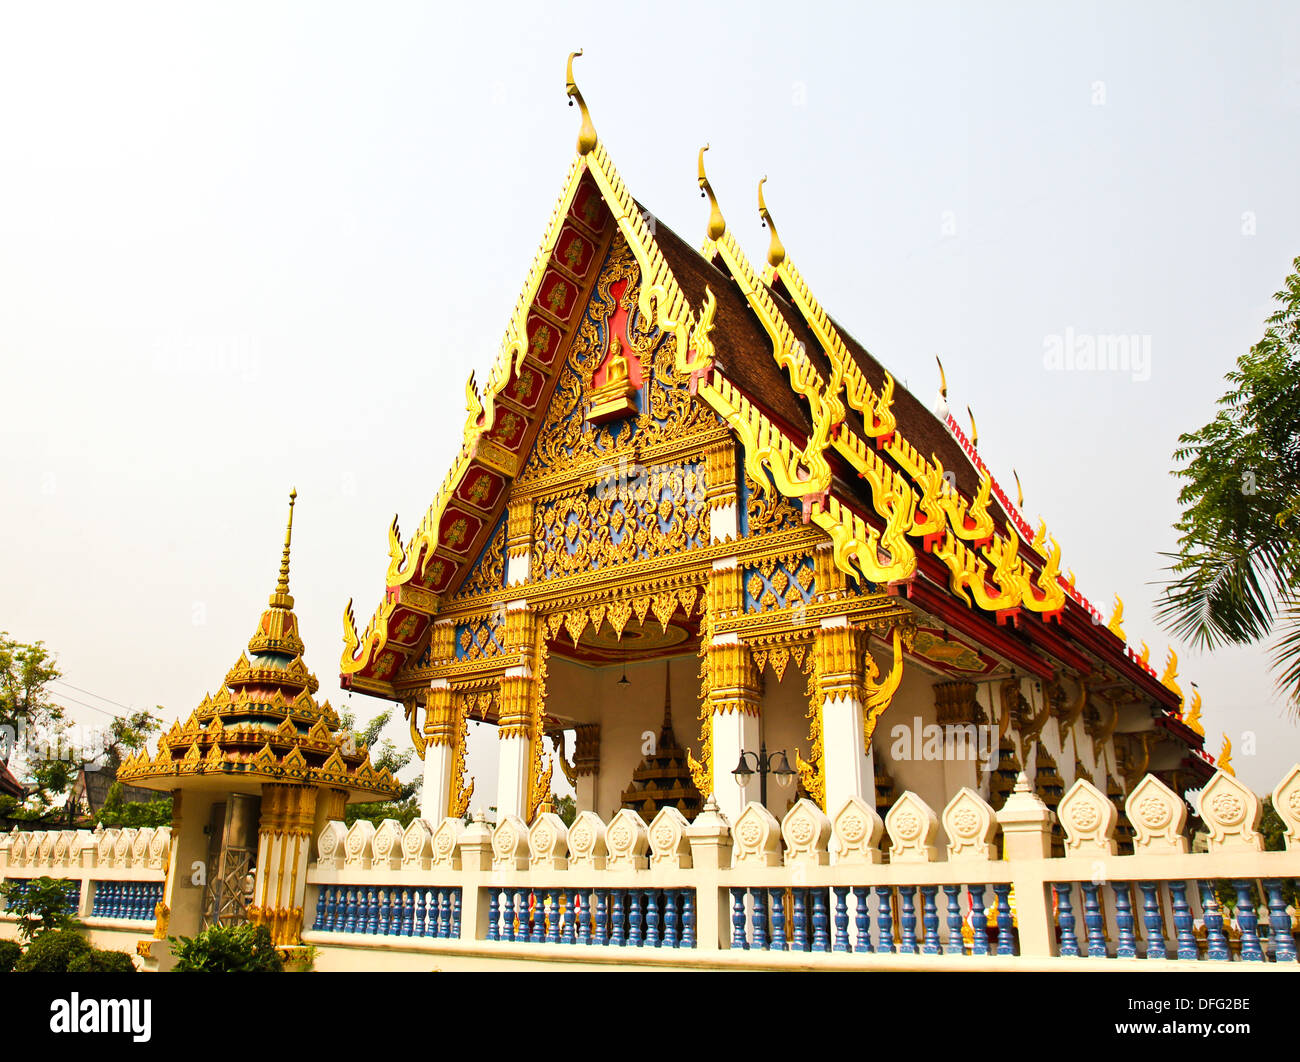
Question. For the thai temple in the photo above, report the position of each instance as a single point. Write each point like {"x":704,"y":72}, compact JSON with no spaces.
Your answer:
{"x":818,"y":683}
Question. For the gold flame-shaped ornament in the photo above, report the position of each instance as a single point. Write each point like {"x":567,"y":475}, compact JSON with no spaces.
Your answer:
{"x":717,"y":223}
{"x":1115,"y":626}
{"x":1193,"y":716}
{"x":775,"y":248}
{"x":587,"y":132}
{"x":1224,"y":761}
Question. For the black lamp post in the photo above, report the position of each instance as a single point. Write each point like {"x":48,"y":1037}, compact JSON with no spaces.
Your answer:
{"x":777,"y":763}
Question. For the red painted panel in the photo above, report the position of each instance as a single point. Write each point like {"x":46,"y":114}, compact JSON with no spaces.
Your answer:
{"x":480,"y":487}
{"x":558,"y":295}
{"x":458,"y":530}
{"x":543,"y":339}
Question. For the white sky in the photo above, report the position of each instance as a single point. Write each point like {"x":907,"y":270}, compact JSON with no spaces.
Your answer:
{"x":262,"y":246}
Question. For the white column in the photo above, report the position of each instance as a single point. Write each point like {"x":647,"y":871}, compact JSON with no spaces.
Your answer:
{"x":733,"y":731}
{"x":439,"y":733}
{"x":849,"y":770}
{"x":512,"y":776}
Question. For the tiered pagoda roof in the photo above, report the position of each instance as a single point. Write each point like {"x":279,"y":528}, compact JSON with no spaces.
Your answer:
{"x":264,"y":724}
{"x":663,"y":777}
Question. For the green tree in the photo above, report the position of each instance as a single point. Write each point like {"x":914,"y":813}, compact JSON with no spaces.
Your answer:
{"x":566,"y":807}
{"x":1237,"y":570}
{"x":135,"y":813}
{"x":383,"y":755}
{"x":25,"y":704}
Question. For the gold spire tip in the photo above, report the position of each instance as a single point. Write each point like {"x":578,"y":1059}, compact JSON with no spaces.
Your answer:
{"x":587,"y":131}
{"x":974,"y":432}
{"x":775,"y":248}
{"x":943,"y":380}
{"x":282,"y":584}
{"x":717,"y":224}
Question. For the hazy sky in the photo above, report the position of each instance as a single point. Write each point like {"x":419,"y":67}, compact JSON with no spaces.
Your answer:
{"x":260,"y":246}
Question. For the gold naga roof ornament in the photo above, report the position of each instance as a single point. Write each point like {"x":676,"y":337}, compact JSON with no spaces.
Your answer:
{"x":1020,"y":491}
{"x":1171,"y":674}
{"x":717,"y":223}
{"x":1193,"y":716}
{"x":974,"y":431}
{"x":587,"y":132}
{"x":943,"y":379}
{"x":1115,"y":626}
{"x":775,"y":248}
{"x":1144,"y":657}
{"x":1224,"y":761}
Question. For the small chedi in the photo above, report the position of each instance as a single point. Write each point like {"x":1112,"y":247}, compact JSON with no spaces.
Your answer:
{"x":255,"y":773}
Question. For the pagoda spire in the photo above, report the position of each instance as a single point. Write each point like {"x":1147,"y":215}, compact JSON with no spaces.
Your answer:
{"x":666,"y":730}
{"x":281,"y":598}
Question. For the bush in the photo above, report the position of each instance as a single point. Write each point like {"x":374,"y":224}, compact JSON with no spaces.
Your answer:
{"x":97,"y":961}
{"x":52,"y":952}
{"x":42,"y":904}
{"x":10,"y":952}
{"x":227,"y":949}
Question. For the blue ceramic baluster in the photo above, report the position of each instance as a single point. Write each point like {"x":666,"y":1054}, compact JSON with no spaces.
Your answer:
{"x":821,"y":921}
{"x":350,"y":912}
{"x":322,"y":899}
{"x":652,"y":917}
{"x":634,"y":897}
{"x":1094,"y":920}
{"x":862,"y":918}
{"x":1152,"y":919}
{"x":952,"y":895}
{"x":884,"y":920}
{"x":1065,"y":919}
{"x":930,"y":921}
{"x":907,"y":920}
{"x":372,"y":911}
{"x":1248,"y":921}
{"x":738,"y":920}
{"x":602,"y":935}
{"x":777,"y":941}
{"x":570,"y":914}
{"x":1280,"y":939}
{"x":455,"y":914}
{"x":522,"y":934}
{"x":385,"y":912}
{"x":616,"y":936}
{"x":841,"y":919}
{"x":760,"y":920}
{"x":1127,"y":946}
{"x":688,"y":918}
{"x":494,"y":913}
{"x":1006,"y":941}
{"x":1183,"y":920}
{"x":671,"y":921}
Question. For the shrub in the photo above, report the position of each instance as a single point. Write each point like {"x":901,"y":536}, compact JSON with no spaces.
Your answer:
{"x":97,"y":961}
{"x":227,"y":949}
{"x":10,"y":952}
{"x":42,"y":904}
{"x":51,"y":952}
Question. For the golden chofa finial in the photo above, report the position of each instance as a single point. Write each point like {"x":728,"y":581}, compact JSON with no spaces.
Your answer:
{"x":1020,"y":491}
{"x":587,"y":132}
{"x":943,"y":380}
{"x":281,"y":598}
{"x":717,"y":224}
{"x":1224,"y":762}
{"x":974,"y":431}
{"x":775,"y":248}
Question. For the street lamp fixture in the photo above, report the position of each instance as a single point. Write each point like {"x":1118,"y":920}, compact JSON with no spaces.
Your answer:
{"x":763,"y":764}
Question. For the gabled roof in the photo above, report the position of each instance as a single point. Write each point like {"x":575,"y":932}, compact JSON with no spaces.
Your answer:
{"x":816,"y":414}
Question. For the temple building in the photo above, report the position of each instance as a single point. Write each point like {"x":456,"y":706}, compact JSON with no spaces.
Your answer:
{"x":678,"y":455}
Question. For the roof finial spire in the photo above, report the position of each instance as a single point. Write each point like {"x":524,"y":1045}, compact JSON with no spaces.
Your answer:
{"x":775,"y":248}
{"x":941,"y":408}
{"x":587,"y":132}
{"x":974,"y":431}
{"x":281,"y":595}
{"x":1020,"y":491}
{"x":717,"y":224}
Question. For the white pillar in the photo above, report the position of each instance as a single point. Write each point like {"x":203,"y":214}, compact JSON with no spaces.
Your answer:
{"x":512,"y":776}
{"x":733,"y":731}
{"x":439,"y":734}
{"x":849,"y":770}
